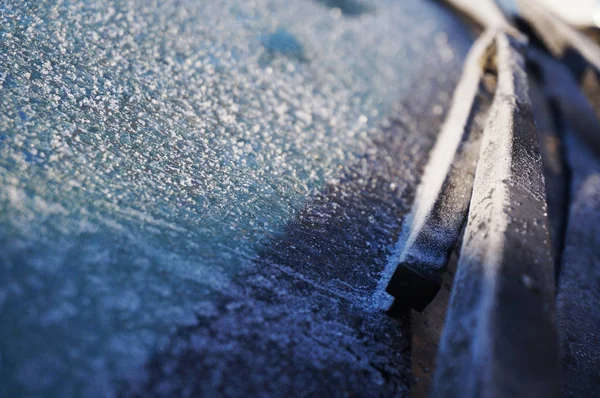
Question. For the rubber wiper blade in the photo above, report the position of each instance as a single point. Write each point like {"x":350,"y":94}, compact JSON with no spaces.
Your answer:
{"x":500,"y":337}
{"x":442,"y":199}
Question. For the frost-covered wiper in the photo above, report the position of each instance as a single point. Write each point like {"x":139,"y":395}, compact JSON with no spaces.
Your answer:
{"x":442,"y":199}
{"x":500,"y":334}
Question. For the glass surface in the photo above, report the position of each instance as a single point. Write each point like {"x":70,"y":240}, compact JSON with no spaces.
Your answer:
{"x":149,"y":150}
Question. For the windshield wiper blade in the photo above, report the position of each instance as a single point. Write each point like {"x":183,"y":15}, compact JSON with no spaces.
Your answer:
{"x":500,"y":335}
{"x":442,"y":199}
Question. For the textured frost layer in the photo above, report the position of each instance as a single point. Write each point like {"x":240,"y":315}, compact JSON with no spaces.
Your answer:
{"x":148,"y":149}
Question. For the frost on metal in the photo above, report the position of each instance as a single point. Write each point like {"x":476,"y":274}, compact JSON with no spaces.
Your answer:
{"x":500,"y":336}
{"x":442,"y":199}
